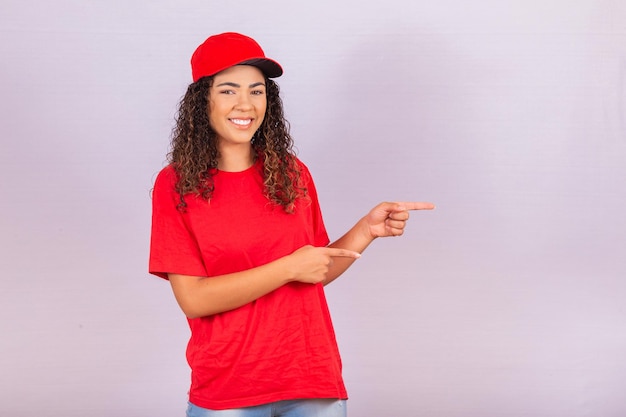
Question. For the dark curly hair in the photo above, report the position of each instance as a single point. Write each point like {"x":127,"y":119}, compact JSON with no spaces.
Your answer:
{"x":194,"y":151}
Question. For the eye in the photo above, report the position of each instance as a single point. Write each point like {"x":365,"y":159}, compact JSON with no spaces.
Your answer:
{"x":227,"y":92}
{"x":258,"y":92}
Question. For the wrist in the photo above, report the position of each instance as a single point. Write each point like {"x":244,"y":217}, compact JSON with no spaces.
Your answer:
{"x":366,"y":231}
{"x":286,"y":272}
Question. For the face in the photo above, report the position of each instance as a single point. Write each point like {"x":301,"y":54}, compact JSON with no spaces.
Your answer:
{"x":237,"y":103}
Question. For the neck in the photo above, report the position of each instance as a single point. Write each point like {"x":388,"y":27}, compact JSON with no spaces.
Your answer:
{"x":235,"y":160}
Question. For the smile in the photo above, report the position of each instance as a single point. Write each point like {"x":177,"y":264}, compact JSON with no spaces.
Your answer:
{"x":241,"y":122}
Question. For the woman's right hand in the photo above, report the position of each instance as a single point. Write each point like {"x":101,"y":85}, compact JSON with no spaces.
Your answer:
{"x":311,"y":264}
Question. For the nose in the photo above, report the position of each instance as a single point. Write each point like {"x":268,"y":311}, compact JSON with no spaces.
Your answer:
{"x":243,"y":102}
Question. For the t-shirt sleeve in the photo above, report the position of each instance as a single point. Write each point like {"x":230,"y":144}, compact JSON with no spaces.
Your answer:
{"x":173,"y":248}
{"x":319,"y":229}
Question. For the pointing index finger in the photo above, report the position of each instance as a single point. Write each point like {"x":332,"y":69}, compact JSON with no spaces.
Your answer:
{"x":415,"y":205}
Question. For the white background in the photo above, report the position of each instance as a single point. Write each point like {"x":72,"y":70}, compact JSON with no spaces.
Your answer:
{"x":506,"y":301}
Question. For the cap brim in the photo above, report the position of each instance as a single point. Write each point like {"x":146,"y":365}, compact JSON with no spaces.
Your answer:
{"x":270,"y":68}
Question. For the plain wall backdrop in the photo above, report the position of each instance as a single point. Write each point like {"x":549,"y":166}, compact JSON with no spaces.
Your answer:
{"x":506,"y":301}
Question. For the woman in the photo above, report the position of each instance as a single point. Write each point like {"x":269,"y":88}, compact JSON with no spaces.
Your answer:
{"x":238,"y":232}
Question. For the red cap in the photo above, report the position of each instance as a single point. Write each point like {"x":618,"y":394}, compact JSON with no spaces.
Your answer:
{"x":223,"y":51}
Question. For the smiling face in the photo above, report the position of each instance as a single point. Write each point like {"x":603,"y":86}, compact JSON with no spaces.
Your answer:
{"x":237,"y":104}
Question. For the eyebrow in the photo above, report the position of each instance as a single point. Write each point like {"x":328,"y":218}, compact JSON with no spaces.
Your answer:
{"x":235,"y":85}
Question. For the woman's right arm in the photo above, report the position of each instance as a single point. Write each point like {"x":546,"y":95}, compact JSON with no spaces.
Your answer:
{"x":204,"y":296}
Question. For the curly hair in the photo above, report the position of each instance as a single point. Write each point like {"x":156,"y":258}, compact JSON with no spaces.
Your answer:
{"x":194,"y":153}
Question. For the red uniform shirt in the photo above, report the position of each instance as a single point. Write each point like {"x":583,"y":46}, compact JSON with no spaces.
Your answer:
{"x":280,"y":346}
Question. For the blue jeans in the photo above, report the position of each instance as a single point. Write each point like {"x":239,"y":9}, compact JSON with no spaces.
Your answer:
{"x":290,"y":408}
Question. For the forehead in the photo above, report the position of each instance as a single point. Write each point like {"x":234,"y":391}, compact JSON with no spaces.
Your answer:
{"x":239,"y":72}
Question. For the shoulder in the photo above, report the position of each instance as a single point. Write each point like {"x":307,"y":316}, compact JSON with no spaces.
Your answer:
{"x":305,"y":173}
{"x":302,"y":167}
{"x":165,"y":182}
{"x":167,"y":175}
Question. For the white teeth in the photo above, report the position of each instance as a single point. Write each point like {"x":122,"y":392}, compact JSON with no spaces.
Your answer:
{"x":241,"y":122}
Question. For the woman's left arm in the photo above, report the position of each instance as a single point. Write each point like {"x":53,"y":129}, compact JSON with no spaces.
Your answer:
{"x":386,"y":219}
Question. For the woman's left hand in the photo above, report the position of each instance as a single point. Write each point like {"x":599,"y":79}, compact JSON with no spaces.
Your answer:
{"x":389,"y":218}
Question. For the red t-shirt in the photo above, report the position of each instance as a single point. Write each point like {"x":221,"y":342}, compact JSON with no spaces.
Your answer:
{"x":280,"y":346}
